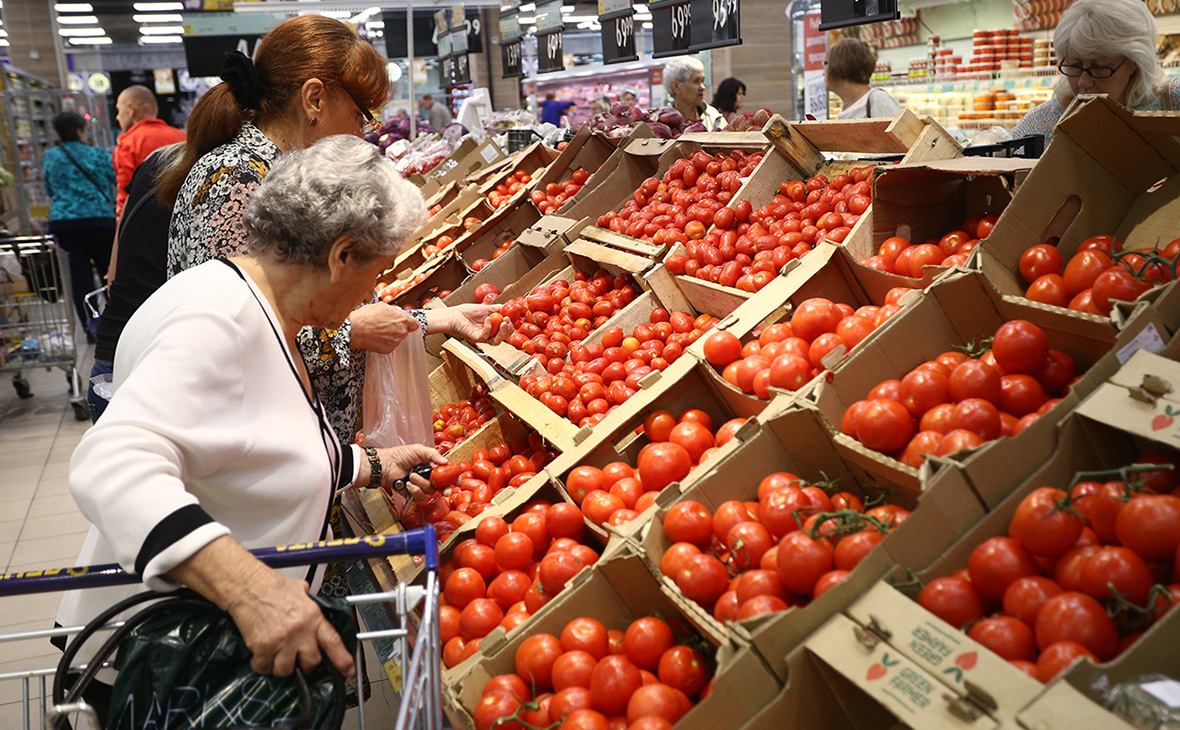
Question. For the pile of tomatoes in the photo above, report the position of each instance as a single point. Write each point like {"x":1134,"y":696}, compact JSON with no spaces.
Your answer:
{"x":512,"y":185}
{"x":681,"y":206}
{"x":618,"y":493}
{"x":747,"y":248}
{"x":434,"y":209}
{"x":958,"y":402}
{"x":394,"y":289}
{"x":594,"y":678}
{"x":478,"y":264}
{"x":507,"y":572}
{"x":1100,"y":273}
{"x":474,"y":484}
{"x":1080,"y":573}
{"x":454,"y":422}
{"x":899,"y":256}
{"x":785,"y":549}
{"x":789,"y":354}
{"x":554,"y":195}
{"x":600,"y":376}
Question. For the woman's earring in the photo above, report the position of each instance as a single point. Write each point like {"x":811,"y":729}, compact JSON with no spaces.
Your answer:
{"x":315,"y":121}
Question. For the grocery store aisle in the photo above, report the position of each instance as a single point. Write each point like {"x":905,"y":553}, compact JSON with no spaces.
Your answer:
{"x":40,"y":527}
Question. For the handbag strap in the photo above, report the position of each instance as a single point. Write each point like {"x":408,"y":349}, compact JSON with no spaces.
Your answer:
{"x":105,"y":195}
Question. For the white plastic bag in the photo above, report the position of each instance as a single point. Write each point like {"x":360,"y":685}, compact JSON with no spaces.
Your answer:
{"x":396,"y":401}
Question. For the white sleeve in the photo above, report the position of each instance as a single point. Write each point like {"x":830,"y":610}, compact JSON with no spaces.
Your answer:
{"x":175,"y":418}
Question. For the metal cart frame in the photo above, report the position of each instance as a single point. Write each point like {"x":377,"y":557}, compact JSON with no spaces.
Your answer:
{"x":421,"y":698}
{"x":37,"y":327}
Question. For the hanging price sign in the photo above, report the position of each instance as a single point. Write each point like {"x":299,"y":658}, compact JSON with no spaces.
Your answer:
{"x":549,"y":52}
{"x":511,"y":57}
{"x":618,"y":31}
{"x":460,"y":70}
{"x":716,"y":24}
{"x":671,"y":27}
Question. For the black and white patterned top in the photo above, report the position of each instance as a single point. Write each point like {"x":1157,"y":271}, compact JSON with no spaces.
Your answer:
{"x":207,"y":224}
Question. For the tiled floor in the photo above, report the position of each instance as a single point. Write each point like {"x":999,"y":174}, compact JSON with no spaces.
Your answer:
{"x":40,"y":527}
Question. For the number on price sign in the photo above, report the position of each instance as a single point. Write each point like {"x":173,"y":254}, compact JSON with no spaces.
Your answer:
{"x":671,"y":27}
{"x":717,"y":24}
{"x":549,"y":52}
{"x":618,"y":38}
{"x":511,"y":56}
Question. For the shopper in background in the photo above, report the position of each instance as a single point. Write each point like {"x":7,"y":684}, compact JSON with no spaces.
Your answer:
{"x":143,"y":133}
{"x":553,"y":110}
{"x":79,"y":180}
{"x":313,"y":78}
{"x":630,"y":98}
{"x":729,"y":97}
{"x":438,"y":115}
{"x":1104,"y":47}
{"x":215,"y":441}
{"x":684,"y":80}
{"x":848,"y":68}
{"x":142,"y":258}
{"x":601,"y":105}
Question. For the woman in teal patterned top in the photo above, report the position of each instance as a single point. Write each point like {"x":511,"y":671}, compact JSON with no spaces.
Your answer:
{"x":1105,"y":47}
{"x":80,"y":182}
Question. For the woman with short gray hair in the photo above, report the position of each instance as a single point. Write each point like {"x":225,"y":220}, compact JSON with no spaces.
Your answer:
{"x":215,"y":440}
{"x":1105,"y":47}
{"x":684,"y":80}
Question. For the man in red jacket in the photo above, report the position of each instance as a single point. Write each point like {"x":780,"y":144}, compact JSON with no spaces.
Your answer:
{"x":142,"y":134}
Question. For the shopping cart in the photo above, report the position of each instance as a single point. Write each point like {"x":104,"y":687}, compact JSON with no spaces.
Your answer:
{"x":417,"y":645}
{"x":37,"y":317}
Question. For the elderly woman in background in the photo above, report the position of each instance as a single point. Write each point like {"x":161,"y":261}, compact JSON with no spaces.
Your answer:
{"x":313,"y":77}
{"x":216,"y":440}
{"x":1104,"y":47}
{"x":684,"y":80}
{"x":848,"y":68}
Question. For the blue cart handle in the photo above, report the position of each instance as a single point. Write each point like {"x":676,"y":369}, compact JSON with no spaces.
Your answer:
{"x":420,"y":541}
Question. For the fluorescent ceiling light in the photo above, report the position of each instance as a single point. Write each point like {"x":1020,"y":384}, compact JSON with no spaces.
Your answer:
{"x":526,"y":20}
{"x":73,"y":7}
{"x":160,"y":18}
{"x":3,"y":43}
{"x":337,"y":14}
{"x":161,"y":39}
{"x":647,"y":26}
{"x":375,"y":24}
{"x":80,"y":32}
{"x":157,"y":7}
{"x":78,"y":20}
{"x":528,"y":7}
{"x":162,"y":29}
{"x":3,"y":33}
{"x":364,"y":15}
{"x":103,"y":41}
{"x":567,"y":8}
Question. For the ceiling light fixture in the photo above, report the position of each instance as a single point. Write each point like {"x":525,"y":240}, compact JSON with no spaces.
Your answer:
{"x":78,"y":20}
{"x":158,"y":7}
{"x":103,"y":41}
{"x":161,"y":30}
{"x":159,"y":18}
{"x":161,"y":39}
{"x":73,"y":7}
{"x":80,"y":32}
{"x":364,"y":15}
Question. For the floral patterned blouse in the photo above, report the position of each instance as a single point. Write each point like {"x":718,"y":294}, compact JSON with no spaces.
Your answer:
{"x":207,"y":224}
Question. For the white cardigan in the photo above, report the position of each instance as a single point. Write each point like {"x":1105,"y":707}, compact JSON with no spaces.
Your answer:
{"x":209,"y":433}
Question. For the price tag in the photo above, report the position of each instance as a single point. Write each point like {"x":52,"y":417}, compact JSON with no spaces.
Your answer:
{"x":610,"y":7}
{"x":511,"y":56}
{"x":618,"y":38}
{"x":717,"y":24}
{"x":509,"y":25}
{"x":671,"y":28}
{"x":549,"y":52}
{"x":549,"y":16}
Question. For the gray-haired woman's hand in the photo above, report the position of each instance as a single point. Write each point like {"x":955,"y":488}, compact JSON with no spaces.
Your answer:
{"x":472,"y":322}
{"x":379,"y":327}
{"x":398,"y":461}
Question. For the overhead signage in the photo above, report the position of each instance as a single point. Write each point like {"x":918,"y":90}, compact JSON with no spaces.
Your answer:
{"x":716,"y":24}
{"x":550,"y":57}
{"x":204,"y":54}
{"x":512,"y":57}
{"x":618,"y":37}
{"x":671,"y":33}
{"x":459,"y":70}
{"x":843,"y":13}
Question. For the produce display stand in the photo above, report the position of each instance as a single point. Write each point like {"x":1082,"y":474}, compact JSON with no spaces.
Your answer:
{"x":862,"y":654}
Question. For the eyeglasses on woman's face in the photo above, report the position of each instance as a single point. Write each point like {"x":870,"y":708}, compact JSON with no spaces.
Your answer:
{"x":371,"y":124}
{"x":1094,"y":72}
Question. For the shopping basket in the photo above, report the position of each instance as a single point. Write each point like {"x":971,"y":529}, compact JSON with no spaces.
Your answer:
{"x":417,"y":644}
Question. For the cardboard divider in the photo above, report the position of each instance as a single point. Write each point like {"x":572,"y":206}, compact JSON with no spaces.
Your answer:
{"x":638,"y":160}
{"x":534,"y":160}
{"x":925,"y":201}
{"x":488,"y":236}
{"x":959,"y":310}
{"x":617,"y":592}
{"x":592,"y":151}
{"x":442,"y":273}
{"x":1099,"y":177}
{"x":796,"y":440}
{"x":468,"y":158}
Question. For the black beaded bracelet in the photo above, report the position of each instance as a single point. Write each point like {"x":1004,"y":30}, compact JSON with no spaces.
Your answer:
{"x":374,"y":466}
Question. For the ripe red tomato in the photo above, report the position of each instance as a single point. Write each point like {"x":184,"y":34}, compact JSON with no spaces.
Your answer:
{"x":663,"y":463}
{"x":802,"y":560}
{"x":658,"y":425}
{"x":685,"y":669}
{"x":1025,"y":596}
{"x":1038,"y":261}
{"x":494,"y":708}
{"x":581,"y":481}
{"x":884,"y":425}
{"x":1072,"y":616}
{"x":1042,"y":526}
{"x":613,"y":682}
{"x":1020,"y":347}
{"x":1009,"y":637}
{"x":535,"y":657}
{"x":1121,"y":568}
{"x":586,"y":634}
{"x":694,"y":437}
{"x":1150,"y":525}
{"x":689,"y":521}
{"x":1084,"y":269}
{"x":953,"y":600}
{"x":702,"y":578}
{"x":996,"y":563}
{"x":1057,"y":656}
{"x":646,"y":640}
{"x":722,"y":347}
{"x":975,"y":379}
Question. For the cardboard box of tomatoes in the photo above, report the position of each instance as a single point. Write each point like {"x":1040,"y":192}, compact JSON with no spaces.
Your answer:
{"x":947,"y":204}
{"x":1086,"y":186}
{"x":615,"y":596}
{"x":590,"y":152}
{"x":959,"y":311}
{"x":769,"y":456}
{"x":1037,"y":593}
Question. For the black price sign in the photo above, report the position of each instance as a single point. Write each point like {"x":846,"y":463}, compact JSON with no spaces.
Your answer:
{"x":717,"y":24}
{"x":460,"y":70}
{"x":549,"y":52}
{"x":510,"y":54}
{"x":671,"y":27}
{"x":618,"y":37}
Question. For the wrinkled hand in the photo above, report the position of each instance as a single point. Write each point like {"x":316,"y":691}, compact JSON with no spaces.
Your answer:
{"x":396,"y":462}
{"x":472,"y":322}
{"x":281,"y":625}
{"x":380,"y":327}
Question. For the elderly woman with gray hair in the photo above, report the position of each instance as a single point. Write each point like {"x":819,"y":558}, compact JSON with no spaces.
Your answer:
{"x":1105,"y":47}
{"x":684,"y":80}
{"x":215,"y":440}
